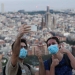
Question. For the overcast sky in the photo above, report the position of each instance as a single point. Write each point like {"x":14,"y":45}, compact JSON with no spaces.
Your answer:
{"x":30,"y":5}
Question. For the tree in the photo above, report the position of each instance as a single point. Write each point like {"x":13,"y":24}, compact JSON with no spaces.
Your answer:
{"x":33,"y":60}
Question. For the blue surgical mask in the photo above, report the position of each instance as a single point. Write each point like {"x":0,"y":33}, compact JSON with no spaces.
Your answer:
{"x":23,"y":53}
{"x":53,"y":49}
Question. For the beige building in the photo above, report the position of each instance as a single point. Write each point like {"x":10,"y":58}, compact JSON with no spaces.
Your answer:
{"x":42,"y":48}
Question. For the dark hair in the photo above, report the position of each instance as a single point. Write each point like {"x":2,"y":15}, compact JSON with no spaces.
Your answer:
{"x":22,"y":40}
{"x":55,"y":38}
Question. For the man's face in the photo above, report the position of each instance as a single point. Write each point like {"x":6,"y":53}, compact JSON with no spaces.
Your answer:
{"x":23,"y":45}
{"x":51,"y":42}
{"x":23,"y":51}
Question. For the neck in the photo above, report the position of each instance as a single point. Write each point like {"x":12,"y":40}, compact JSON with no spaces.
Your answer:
{"x":58,"y":56}
{"x":21,"y":60}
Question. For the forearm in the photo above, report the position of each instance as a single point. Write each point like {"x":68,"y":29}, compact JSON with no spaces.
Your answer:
{"x":41,"y":67}
{"x":52,"y":70}
{"x":72,"y":59}
{"x":15,"y":51}
{"x":16,"y":46}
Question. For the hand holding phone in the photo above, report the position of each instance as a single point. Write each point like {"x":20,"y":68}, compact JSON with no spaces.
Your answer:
{"x":33,"y":28}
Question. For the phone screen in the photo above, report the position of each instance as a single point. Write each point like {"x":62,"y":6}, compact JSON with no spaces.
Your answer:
{"x":33,"y":28}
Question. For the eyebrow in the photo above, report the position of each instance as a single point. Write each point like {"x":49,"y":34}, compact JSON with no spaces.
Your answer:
{"x":52,"y":43}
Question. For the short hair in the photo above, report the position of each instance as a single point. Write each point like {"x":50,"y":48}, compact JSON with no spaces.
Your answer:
{"x":22,"y":40}
{"x":55,"y":38}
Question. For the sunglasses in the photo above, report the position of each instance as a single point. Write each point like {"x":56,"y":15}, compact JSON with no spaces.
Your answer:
{"x":23,"y":46}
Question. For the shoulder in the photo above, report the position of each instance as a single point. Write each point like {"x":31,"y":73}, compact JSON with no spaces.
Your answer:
{"x":9,"y":69}
{"x":66,"y":57}
{"x":9,"y":66}
{"x":68,"y":62}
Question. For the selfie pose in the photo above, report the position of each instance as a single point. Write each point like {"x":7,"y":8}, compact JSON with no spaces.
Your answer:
{"x":15,"y":65}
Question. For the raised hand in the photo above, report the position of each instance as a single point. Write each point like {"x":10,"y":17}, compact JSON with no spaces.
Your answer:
{"x":23,"y":30}
{"x":55,"y":61}
{"x":63,"y":50}
{"x":39,"y":54}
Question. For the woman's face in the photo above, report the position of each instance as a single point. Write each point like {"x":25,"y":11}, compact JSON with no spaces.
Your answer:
{"x":51,"y":42}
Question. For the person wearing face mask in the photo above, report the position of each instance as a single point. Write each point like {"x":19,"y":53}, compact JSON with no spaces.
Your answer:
{"x":15,"y":65}
{"x":60,"y":63}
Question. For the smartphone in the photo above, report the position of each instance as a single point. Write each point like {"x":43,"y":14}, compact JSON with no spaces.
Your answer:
{"x":33,"y":28}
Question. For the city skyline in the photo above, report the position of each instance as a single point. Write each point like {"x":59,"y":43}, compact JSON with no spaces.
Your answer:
{"x":35,"y":5}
